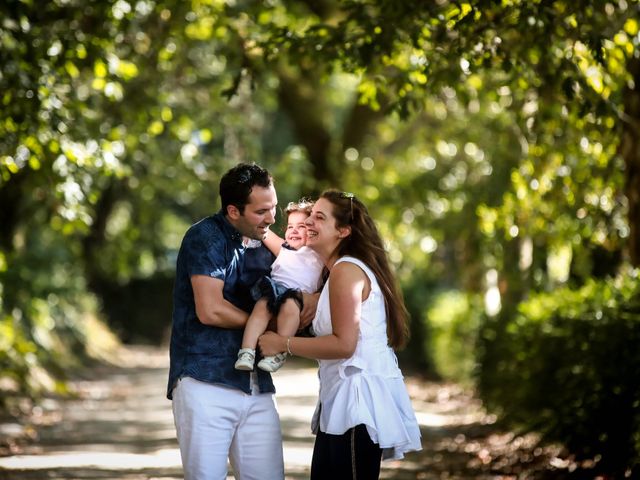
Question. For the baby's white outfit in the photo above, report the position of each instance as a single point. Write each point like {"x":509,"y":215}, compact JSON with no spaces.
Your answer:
{"x":301,"y":269}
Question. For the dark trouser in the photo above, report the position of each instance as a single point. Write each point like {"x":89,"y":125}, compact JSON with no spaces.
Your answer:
{"x":349,"y":456}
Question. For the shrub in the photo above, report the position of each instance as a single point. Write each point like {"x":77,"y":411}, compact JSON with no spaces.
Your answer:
{"x":454,"y":319}
{"x":48,"y":326}
{"x":568,"y":366}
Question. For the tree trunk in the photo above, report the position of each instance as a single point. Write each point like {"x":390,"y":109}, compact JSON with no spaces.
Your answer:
{"x":11,"y":199}
{"x":630,"y":151}
{"x":305,"y":108}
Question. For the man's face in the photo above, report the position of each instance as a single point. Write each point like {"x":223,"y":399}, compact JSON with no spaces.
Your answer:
{"x":259,"y":213}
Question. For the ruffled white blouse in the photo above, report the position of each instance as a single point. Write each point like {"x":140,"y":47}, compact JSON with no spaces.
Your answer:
{"x":367,"y":388}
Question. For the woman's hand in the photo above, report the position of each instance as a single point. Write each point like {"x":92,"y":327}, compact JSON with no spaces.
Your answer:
{"x":271,"y":343}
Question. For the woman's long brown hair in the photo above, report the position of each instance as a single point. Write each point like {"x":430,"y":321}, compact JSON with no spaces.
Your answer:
{"x":365,"y":244}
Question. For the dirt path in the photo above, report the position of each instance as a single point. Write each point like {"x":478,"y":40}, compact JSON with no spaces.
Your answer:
{"x":121,"y":427}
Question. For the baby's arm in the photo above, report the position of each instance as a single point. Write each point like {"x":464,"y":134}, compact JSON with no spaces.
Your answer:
{"x":257,"y":324}
{"x":273,"y":242}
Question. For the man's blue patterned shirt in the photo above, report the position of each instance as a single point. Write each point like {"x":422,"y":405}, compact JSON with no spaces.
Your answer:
{"x":213,"y":247}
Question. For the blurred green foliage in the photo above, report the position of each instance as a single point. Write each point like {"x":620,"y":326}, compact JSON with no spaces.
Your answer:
{"x":495,"y":144}
{"x":568,"y":366}
{"x":455,"y":319}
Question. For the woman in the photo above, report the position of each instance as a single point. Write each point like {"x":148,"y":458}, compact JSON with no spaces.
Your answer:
{"x":364,"y":414}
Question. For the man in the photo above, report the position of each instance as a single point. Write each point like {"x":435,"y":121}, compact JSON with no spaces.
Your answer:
{"x":221,"y":412}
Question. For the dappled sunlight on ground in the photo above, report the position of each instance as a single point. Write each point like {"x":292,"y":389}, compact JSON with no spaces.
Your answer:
{"x":165,"y":458}
{"x":120,"y":426}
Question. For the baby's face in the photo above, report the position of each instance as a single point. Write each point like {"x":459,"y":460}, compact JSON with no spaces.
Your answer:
{"x":296,"y":233}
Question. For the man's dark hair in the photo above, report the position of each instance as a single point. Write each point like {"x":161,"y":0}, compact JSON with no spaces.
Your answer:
{"x":237,"y":183}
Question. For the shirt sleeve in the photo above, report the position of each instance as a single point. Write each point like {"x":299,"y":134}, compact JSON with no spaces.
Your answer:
{"x":205,"y":252}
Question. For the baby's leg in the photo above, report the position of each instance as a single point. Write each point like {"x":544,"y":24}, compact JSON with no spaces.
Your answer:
{"x":288,"y":318}
{"x":256,"y":324}
{"x":288,"y":321}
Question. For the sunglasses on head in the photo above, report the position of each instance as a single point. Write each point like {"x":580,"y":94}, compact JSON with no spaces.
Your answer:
{"x":350,"y":196}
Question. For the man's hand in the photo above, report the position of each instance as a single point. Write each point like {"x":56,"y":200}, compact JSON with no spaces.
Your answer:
{"x":310,"y":301}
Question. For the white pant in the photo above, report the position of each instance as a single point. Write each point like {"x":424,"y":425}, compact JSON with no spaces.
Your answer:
{"x":215,"y":422}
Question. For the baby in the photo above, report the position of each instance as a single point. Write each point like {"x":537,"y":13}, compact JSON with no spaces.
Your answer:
{"x":296,"y":269}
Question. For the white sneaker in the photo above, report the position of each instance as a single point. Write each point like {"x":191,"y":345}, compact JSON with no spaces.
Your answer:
{"x":273,"y":362}
{"x":246,"y":358}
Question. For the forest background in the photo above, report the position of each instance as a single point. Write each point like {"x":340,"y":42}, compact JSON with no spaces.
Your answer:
{"x":497,"y":145}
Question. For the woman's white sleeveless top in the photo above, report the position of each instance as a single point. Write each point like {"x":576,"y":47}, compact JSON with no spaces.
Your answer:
{"x":367,"y":388}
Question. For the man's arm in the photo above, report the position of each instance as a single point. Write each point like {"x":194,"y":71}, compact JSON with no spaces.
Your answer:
{"x":211,"y":307}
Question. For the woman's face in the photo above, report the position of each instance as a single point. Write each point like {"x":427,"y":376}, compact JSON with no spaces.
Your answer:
{"x":322,"y":234}
{"x":296,"y":233}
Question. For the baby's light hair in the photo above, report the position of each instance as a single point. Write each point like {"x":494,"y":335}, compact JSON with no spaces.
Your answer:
{"x":303,"y":205}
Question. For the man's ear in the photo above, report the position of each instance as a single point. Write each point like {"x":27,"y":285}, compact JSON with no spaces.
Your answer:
{"x":344,"y":232}
{"x":233,"y":212}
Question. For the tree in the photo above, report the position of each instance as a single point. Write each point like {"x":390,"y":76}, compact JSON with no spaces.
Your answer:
{"x":569,"y":60}
{"x":476,"y":132}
